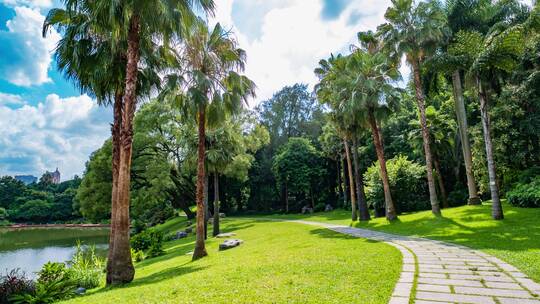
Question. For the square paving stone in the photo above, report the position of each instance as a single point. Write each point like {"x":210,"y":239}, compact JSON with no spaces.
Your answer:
{"x":492,"y":292}
{"x":450,"y":297}
{"x":450,"y":282}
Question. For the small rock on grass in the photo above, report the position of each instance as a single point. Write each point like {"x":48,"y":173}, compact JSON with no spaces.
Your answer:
{"x":228,"y":244}
{"x":225,"y":235}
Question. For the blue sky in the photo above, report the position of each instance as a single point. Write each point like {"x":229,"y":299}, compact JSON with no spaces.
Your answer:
{"x":46,"y":123}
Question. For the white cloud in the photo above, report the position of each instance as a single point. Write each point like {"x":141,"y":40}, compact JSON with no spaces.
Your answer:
{"x":26,"y":54}
{"x":10,"y":99}
{"x":60,"y":132}
{"x":29,"y":3}
{"x":295,"y":37}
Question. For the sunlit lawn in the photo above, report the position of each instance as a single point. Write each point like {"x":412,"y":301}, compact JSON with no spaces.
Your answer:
{"x":279,"y":262}
{"x":516,"y":239}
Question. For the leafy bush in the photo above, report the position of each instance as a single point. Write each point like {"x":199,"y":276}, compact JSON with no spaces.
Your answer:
{"x":51,"y":272}
{"x":54,"y":283}
{"x":525,"y":194}
{"x":48,"y":291}
{"x":137,"y":255}
{"x":407,"y":185}
{"x":146,"y":239}
{"x":86,"y":268}
{"x":13,"y":283}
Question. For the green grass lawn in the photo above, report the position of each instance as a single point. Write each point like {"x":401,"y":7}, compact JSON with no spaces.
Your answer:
{"x":279,"y":262}
{"x":516,"y":239}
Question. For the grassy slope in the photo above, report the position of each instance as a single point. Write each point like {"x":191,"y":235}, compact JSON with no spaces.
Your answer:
{"x":516,"y":239}
{"x":278,"y":263}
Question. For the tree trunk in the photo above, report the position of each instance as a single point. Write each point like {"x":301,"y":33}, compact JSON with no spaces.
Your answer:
{"x":351,"y":181}
{"x":361,"y":195}
{"x":200,"y":250}
{"x":116,"y":143}
{"x":440,"y":180}
{"x":496,"y":211}
{"x":205,"y":202}
{"x":389,"y":203}
{"x":215,"y":227}
{"x":435,"y":208}
{"x":345,"y":175}
{"x":461,"y":115}
{"x":286,"y":198}
{"x":119,"y":264}
{"x":339,"y":186}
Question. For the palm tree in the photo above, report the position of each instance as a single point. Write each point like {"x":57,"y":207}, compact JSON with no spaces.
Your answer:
{"x":90,"y":56}
{"x":464,"y":15}
{"x":208,"y":67}
{"x":368,"y":80}
{"x":328,"y":93}
{"x":488,"y":57}
{"x":415,"y":30}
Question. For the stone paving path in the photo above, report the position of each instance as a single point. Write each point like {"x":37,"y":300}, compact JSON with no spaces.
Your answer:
{"x":436,"y":272}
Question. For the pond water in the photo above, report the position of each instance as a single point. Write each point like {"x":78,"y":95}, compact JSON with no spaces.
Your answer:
{"x":29,"y":248}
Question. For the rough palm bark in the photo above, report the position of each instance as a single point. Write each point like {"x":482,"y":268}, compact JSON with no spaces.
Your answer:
{"x":205,"y":202}
{"x":345,"y":181}
{"x":116,"y":142}
{"x":286,"y":198}
{"x":435,"y":208}
{"x":461,"y":115}
{"x":200,"y":250}
{"x":496,"y":211}
{"x":360,"y":193}
{"x":339,"y":185}
{"x":354,"y":214}
{"x":440,"y":180}
{"x":215,"y":225}
{"x":119,"y":264}
{"x":389,"y":203}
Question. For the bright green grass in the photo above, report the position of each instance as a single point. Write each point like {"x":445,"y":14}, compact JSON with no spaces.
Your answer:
{"x":516,"y":239}
{"x":279,"y":262}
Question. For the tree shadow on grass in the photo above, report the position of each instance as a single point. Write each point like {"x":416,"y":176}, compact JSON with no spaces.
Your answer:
{"x":156,"y":277}
{"x":330,"y":234}
{"x":472,"y":227}
{"x":166,"y":274}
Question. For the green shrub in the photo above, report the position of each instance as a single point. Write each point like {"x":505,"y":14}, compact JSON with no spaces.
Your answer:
{"x":407,"y":185}
{"x":525,"y":194}
{"x":137,"y":255}
{"x":144,"y":240}
{"x":51,"y":272}
{"x":13,"y":283}
{"x":56,"y":289}
{"x":86,"y":268}
{"x":54,"y":283}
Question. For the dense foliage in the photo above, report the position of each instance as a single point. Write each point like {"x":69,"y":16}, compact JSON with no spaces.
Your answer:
{"x":406,"y":181}
{"x":42,"y":202}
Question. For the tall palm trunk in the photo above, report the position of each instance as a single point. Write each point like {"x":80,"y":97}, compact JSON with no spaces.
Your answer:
{"x":339,"y":185}
{"x":440,"y":180}
{"x":351,"y":181}
{"x":496,"y":211}
{"x":200,"y":250}
{"x":119,"y":265}
{"x":216,"y":205}
{"x":205,"y":202}
{"x":345,"y":181}
{"x":361,"y":195}
{"x":435,"y":208}
{"x":286,"y":197}
{"x":461,"y":115}
{"x":389,"y":203}
{"x":116,"y":143}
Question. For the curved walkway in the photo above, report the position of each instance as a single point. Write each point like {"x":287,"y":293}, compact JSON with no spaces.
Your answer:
{"x":436,"y":272}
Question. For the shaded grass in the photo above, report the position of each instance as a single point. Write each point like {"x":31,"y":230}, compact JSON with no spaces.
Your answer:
{"x":516,"y":239}
{"x":278,"y":263}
